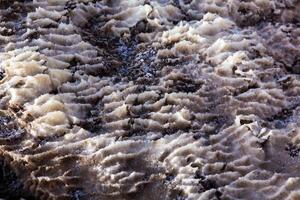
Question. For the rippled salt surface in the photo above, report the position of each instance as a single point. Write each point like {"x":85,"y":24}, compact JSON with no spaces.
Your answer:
{"x":185,"y":99}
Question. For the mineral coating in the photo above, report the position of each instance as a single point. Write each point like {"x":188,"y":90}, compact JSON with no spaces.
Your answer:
{"x":150,"y":100}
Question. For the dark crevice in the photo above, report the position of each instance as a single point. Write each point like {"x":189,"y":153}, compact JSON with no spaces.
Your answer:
{"x":281,"y":119}
{"x":295,"y":67}
{"x":292,"y":150}
{"x":10,"y":187}
{"x":285,"y":82}
{"x":245,"y":89}
{"x":12,"y":17}
{"x":78,"y":194}
{"x":94,"y":124}
{"x":206,"y":184}
{"x":185,"y":84}
{"x":9,"y":130}
{"x":1,"y":74}
{"x":5,"y":4}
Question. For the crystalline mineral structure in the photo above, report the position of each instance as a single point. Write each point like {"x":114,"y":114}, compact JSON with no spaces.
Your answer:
{"x":150,"y":99}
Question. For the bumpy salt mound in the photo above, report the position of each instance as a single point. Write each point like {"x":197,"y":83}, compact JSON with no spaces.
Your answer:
{"x":150,"y":99}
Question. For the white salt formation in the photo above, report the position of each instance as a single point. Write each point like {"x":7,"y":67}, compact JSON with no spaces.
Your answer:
{"x":149,"y":100}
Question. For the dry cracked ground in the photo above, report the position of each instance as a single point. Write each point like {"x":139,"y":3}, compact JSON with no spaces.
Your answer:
{"x":150,"y":99}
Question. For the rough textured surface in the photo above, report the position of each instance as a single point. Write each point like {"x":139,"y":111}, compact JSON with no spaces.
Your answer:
{"x":147,"y":100}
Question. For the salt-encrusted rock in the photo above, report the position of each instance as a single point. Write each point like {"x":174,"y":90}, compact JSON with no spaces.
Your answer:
{"x":149,"y":99}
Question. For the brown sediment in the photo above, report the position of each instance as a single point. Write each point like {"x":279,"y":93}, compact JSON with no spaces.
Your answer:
{"x":149,"y":99}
